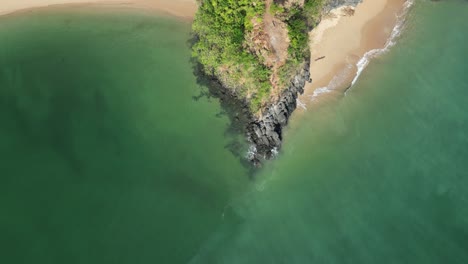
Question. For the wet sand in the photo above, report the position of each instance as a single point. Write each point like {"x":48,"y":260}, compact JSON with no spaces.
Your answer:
{"x":343,"y":38}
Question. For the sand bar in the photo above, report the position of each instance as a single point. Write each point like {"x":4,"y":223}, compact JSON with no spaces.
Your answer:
{"x":182,"y":8}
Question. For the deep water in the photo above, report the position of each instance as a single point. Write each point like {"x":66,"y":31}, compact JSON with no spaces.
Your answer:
{"x":106,"y":157}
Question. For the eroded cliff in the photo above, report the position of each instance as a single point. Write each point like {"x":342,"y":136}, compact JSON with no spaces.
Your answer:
{"x":257,"y":50}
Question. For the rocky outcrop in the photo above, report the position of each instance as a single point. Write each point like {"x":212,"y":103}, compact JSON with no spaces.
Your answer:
{"x":266,"y":132}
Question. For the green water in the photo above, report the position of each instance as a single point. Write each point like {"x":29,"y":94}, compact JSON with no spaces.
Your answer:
{"x":107,"y":158}
{"x":105,"y":155}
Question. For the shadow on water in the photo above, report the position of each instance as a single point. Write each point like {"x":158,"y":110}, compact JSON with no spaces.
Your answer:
{"x":45,"y":109}
{"x":234,"y":109}
{"x":67,"y":114}
{"x":51,"y":129}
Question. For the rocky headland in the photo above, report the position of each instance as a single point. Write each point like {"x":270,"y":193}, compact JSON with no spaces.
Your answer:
{"x":266,"y":131}
{"x":260,"y":107}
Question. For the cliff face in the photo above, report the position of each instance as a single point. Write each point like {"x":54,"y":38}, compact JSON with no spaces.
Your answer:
{"x":257,"y":50}
{"x":266,"y":132}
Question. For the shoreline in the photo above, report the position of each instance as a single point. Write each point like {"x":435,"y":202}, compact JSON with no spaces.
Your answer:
{"x":348,"y":40}
{"x":338,"y":45}
{"x":183,"y":9}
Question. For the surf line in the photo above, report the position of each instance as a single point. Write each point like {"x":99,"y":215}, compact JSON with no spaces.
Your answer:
{"x":368,"y":56}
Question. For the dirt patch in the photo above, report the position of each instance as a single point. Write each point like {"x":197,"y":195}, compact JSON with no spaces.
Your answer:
{"x":277,"y":32}
{"x":290,"y":3}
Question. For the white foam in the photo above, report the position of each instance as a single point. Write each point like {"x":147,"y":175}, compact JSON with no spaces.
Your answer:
{"x":301,"y":104}
{"x":396,"y":32}
{"x":335,"y":83}
{"x":318,"y":92}
{"x":251,"y":152}
{"x":274,"y":152}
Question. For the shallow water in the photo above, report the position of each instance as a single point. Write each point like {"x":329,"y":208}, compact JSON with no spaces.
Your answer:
{"x":107,"y":158}
{"x":377,"y":176}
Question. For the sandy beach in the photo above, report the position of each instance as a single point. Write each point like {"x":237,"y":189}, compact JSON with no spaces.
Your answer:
{"x":181,"y":8}
{"x":342,"y":39}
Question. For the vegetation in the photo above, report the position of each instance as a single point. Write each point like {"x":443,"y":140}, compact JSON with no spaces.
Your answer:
{"x":297,"y":30}
{"x":300,"y":20}
{"x":276,"y":9}
{"x":312,"y":10}
{"x":221,"y":28}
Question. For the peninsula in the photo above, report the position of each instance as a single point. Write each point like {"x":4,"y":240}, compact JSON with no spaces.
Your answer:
{"x":258,"y":51}
{"x":267,"y":55}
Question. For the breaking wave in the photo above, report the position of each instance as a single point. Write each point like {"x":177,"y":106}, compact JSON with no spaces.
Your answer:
{"x":318,"y":92}
{"x":301,"y":104}
{"x":396,"y":32}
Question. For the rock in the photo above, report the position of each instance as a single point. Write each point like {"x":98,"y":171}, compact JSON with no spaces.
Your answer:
{"x":265,"y":133}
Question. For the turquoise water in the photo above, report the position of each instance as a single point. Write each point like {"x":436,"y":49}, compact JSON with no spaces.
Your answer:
{"x":107,"y":158}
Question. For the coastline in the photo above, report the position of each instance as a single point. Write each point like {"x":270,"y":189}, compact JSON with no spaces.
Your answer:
{"x":341,"y":40}
{"x":183,"y":9}
{"x":345,"y":38}
{"x":340,"y":48}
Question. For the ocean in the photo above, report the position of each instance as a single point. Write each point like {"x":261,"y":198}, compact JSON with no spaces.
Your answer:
{"x":111,"y":152}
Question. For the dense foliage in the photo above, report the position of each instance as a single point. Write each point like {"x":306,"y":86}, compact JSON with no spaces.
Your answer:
{"x":300,"y":19}
{"x":221,"y":26}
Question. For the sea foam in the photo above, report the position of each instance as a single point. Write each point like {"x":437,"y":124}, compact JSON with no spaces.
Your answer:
{"x":318,"y":92}
{"x":396,"y":32}
{"x":301,"y":104}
